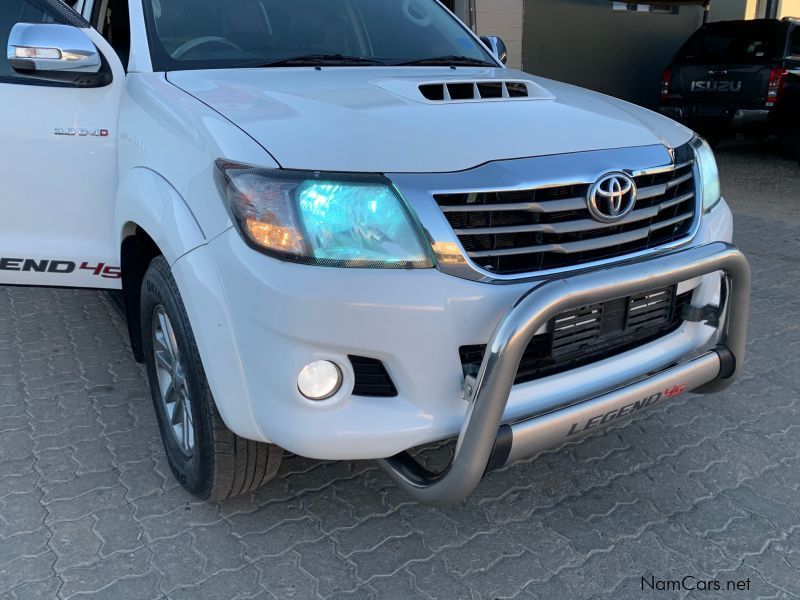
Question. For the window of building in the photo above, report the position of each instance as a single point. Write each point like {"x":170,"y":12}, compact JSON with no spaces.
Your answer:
{"x":794,"y":42}
{"x":664,"y":9}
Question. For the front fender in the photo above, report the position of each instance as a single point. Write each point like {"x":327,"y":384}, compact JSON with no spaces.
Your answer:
{"x":146,"y":200}
{"x":206,"y":304}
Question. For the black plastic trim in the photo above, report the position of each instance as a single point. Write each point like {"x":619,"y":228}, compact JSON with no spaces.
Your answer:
{"x":709,"y":314}
{"x":727,"y":362}
{"x":372,"y":380}
{"x":26,"y":76}
{"x":414,"y":472}
{"x":60,"y":12}
{"x":502,"y":448}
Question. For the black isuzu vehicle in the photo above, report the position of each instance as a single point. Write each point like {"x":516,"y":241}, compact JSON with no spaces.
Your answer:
{"x":738,"y":76}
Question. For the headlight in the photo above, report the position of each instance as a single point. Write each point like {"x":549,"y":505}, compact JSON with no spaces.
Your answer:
{"x":709,"y":173}
{"x":330,"y":219}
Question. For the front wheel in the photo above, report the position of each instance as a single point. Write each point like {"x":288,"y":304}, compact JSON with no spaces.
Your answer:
{"x":208,"y":459}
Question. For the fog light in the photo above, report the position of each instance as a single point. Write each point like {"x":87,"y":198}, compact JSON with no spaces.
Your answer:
{"x":319,"y":380}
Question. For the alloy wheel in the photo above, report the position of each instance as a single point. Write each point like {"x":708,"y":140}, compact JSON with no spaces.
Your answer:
{"x":175,"y":399}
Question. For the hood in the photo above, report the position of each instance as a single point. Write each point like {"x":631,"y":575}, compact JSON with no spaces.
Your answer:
{"x":370,"y":119}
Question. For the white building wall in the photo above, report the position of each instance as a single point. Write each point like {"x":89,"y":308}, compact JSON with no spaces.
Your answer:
{"x":503,"y":18}
{"x":789,"y":8}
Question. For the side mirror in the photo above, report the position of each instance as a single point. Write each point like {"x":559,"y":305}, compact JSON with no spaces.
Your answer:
{"x":497,"y":47}
{"x":55,"y":52}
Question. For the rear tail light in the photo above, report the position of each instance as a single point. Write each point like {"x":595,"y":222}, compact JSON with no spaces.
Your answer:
{"x":776,"y":85}
{"x":666,"y":82}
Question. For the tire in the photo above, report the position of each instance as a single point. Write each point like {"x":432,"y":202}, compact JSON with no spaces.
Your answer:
{"x":208,"y":459}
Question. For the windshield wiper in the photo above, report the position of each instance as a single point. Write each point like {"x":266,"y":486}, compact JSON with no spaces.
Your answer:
{"x":449,"y":60}
{"x":316,"y":60}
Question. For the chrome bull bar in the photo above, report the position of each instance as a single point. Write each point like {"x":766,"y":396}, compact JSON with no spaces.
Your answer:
{"x":485,"y":443}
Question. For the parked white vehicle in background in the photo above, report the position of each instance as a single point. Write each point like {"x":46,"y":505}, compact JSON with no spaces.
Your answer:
{"x":344,"y":228}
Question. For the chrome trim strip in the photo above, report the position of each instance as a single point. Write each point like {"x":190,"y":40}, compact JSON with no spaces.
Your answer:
{"x":548,"y":206}
{"x":661,"y":189}
{"x":678,"y":200}
{"x":488,"y":392}
{"x":664,"y":169}
{"x":584,"y":245}
{"x":551,"y":206}
{"x":678,"y":180}
{"x":651,"y":192}
{"x":578,"y":225}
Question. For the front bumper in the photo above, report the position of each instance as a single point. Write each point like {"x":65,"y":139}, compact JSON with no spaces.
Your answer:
{"x":485,"y":442}
{"x":258,"y":321}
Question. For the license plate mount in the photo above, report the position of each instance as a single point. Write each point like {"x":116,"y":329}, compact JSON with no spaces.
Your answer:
{"x":607,"y":324}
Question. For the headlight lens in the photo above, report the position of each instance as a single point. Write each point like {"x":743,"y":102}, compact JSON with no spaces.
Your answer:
{"x":330,"y":219}
{"x":709,"y":173}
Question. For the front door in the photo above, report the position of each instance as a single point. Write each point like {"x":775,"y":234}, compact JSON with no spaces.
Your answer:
{"x":58,"y":159}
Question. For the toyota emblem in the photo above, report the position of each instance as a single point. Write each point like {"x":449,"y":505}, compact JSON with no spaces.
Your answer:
{"x":612,"y":197}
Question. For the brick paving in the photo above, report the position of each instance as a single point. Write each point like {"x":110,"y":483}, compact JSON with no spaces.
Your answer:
{"x":707,"y":486}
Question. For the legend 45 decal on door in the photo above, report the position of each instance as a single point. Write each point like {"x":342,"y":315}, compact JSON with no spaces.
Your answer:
{"x":56,"y":267}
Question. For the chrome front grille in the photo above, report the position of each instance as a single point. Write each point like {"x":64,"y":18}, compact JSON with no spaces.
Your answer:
{"x":549,"y":227}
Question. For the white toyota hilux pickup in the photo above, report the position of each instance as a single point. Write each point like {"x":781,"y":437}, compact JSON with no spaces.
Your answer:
{"x":343,"y":228}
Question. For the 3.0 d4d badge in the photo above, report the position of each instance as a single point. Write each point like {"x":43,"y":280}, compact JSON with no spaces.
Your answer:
{"x":80,"y":132}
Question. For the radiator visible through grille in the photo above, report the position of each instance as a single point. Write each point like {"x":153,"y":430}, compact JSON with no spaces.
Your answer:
{"x":526,"y":231}
{"x":584,"y":335}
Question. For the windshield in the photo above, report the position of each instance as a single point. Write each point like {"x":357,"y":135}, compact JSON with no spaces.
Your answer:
{"x":208,"y":34}
{"x":741,"y":43}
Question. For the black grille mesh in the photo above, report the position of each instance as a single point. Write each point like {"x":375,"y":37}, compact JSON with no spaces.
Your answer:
{"x":371,"y":378}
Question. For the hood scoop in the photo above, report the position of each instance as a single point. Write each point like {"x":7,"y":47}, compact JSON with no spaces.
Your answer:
{"x":481,"y":91}
{"x":458,"y":90}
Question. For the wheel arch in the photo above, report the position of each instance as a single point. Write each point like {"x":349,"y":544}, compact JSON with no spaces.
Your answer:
{"x":153,"y":220}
